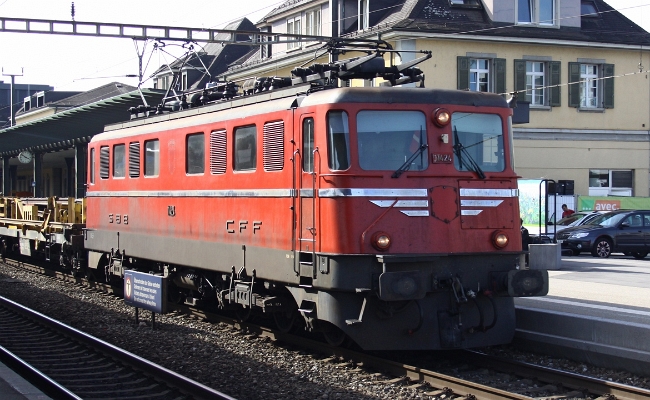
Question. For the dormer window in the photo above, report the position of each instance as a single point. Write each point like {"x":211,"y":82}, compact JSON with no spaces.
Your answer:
{"x":465,"y":3}
{"x":536,"y":12}
{"x":27,"y":103}
{"x":40,"y":99}
{"x":364,"y":14}
{"x":588,"y":9}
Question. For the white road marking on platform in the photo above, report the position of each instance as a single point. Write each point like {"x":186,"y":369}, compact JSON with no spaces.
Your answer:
{"x":600,"y":292}
{"x":596,"y":306}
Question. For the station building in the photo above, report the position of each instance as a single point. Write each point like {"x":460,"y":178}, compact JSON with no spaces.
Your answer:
{"x":579,"y":65}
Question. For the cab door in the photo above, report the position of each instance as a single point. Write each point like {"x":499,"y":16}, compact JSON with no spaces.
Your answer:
{"x":307,"y":191}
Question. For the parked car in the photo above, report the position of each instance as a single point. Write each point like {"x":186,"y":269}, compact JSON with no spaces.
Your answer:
{"x":575,"y":219}
{"x":626,"y":231}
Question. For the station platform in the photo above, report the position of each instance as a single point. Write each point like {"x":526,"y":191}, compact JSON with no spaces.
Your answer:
{"x":597,"y":311}
{"x":14,"y":387}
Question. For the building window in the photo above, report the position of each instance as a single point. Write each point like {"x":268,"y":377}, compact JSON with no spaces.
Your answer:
{"x":245,"y":148}
{"x":537,"y":82}
{"x":195,"y":154}
{"x":605,"y":182}
{"x":364,"y":14}
{"x":164,"y":82}
{"x":591,"y":85}
{"x":482,"y":74}
{"x":184,"y":81}
{"x":479,"y":75}
{"x":536,"y":12}
{"x":312,"y":22}
{"x":293,"y":27}
{"x":535,"y":77}
{"x":152,"y":157}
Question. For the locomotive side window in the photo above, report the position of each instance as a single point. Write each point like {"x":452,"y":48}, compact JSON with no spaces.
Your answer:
{"x":134,"y":159}
{"x":245,"y":148}
{"x":338,"y":140}
{"x":478,"y":142}
{"x":308,"y":145}
{"x":152,"y":157}
{"x":387,"y":139}
{"x":273,"y":146}
{"x":195,"y":154}
{"x":103,"y":162}
{"x":92,"y":165}
{"x":119,"y":161}
{"x":218,"y":152}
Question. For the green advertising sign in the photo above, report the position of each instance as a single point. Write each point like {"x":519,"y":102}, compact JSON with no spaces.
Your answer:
{"x":612,"y":203}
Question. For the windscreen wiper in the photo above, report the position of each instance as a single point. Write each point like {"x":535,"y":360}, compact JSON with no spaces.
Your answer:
{"x":407,"y":164}
{"x":461,"y":150}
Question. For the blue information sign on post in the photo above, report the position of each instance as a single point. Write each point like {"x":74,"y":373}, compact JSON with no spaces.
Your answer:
{"x":145,"y":291}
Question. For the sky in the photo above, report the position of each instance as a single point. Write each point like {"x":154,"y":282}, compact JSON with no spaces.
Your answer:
{"x":77,"y":63}
{"x":70,"y":63}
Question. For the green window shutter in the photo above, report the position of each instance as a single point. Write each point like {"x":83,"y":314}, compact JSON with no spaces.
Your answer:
{"x":463,"y":73}
{"x":574,"y":89}
{"x":500,"y":75}
{"x":608,"y":86}
{"x":554,"y":99}
{"x":520,"y":78}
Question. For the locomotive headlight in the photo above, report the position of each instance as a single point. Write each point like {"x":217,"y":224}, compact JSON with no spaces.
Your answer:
{"x":499,"y":239}
{"x":381,"y":241}
{"x":441,"y":117}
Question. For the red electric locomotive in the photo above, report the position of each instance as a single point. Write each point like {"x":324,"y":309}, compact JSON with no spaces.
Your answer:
{"x":388,"y":215}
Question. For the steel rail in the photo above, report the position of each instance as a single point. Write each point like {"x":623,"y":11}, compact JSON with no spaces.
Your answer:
{"x":442,"y":384}
{"x":188,"y":387}
{"x":568,"y":379}
{"x":36,"y":377}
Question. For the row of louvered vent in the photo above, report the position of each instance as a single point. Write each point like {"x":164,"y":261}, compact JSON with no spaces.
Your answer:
{"x":273,"y":152}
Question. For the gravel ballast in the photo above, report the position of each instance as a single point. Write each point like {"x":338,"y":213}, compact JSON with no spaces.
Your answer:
{"x":242,"y":366}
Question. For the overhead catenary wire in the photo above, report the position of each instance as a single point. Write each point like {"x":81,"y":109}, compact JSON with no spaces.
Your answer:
{"x":383,"y":10}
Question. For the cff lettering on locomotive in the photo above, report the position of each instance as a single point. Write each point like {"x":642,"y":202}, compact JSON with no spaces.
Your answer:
{"x":387,"y":216}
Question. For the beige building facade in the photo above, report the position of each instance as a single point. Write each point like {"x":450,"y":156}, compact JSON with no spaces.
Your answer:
{"x":584,"y":76}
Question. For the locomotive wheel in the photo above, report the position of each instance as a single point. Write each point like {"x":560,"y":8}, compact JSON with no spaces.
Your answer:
{"x":602,"y":248}
{"x":90,"y":275}
{"x":174,"y":294}
{"x":639,"y":255}
{"x":333,"y":335}
{"x":243,"y":314}
{"x":285,"y":320}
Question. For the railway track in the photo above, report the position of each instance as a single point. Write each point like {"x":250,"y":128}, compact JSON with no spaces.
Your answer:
{"x":69,"y":364}
{"x":506,"y":379}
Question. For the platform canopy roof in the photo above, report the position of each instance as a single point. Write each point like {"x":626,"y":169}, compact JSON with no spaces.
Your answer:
{"x":65,"y":129}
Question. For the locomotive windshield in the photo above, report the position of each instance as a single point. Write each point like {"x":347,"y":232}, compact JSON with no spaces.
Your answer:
{"x":387,"y":139}
{"x":478,"y":142}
